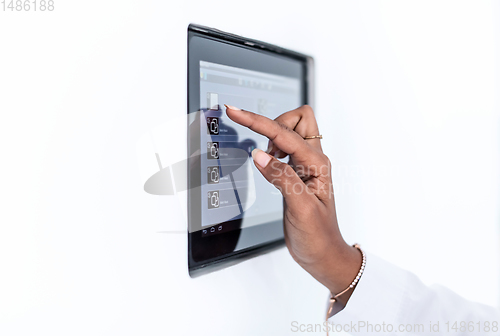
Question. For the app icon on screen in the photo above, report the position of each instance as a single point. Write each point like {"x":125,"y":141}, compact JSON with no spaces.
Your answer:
{"x":213,"y":125}
{"x":213,"y":199}
{"x":212,"y":150}
{"x":213,"y":175}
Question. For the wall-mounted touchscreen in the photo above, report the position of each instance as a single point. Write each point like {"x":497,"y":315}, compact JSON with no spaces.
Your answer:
{"x":233,"y":210}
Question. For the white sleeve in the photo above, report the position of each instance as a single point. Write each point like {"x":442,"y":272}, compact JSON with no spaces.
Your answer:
{"x":391,"y":301}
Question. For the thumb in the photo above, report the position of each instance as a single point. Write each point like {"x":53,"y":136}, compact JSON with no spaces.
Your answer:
{"x":283,"y":177}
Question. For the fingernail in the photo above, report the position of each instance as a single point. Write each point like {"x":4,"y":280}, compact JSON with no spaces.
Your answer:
{"x":260,"y":157}
{"x":232,"y":107}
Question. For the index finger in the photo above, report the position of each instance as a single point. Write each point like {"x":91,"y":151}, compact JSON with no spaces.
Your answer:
{"x":283,"y":137}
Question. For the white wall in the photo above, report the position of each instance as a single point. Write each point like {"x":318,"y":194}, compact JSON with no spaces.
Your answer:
{"x":407,"y":97}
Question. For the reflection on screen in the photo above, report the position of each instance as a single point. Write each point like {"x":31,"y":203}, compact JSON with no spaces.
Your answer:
{"x":230,"y":181}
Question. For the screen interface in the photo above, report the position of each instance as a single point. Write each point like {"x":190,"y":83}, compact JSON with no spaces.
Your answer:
{"x":232,"y":189}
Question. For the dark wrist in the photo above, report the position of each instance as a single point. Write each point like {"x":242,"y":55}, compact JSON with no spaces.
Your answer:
{"x":341,"y":269}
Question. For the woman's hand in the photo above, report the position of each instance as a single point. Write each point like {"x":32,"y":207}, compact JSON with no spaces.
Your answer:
{"x":310,"y":222}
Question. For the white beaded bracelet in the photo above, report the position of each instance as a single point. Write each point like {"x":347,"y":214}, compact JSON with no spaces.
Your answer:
{"x":333,"y":298}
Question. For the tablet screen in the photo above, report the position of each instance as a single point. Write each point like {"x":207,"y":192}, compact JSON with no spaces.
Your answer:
{"x":234,"y":188}
{"x":232,"y":210}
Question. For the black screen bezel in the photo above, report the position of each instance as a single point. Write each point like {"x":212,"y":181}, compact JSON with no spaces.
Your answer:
{"x":208,"y":253}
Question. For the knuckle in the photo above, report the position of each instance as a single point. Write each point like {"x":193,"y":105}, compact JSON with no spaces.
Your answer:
{"x":322,"y":158}
{"x":307,"y":109}
{"x":280,"y":129}
{"x":325,"y":159}
{"x":282,"y":126}
{"x":325,"y":164}
{"x":284,"y":116}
